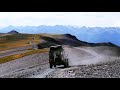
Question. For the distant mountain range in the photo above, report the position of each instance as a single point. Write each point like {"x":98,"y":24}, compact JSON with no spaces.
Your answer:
{"x":88,"y":34}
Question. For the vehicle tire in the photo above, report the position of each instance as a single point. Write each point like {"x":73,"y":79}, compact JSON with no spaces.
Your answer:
{"x":51,"y":65}
{"x":54,"y":64}
{"x":66,"y":63}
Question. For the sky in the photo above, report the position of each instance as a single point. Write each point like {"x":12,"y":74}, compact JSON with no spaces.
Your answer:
{"x":90,"y":19}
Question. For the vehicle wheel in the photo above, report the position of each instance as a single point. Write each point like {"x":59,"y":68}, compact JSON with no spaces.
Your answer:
{"x":54,"y":64}
{"x":66,"y":63}
{"x":51,"y":65}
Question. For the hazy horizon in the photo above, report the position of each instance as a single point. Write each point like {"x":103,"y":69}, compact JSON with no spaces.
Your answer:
{"x":59,"y":25}
{"x":88,"y":19}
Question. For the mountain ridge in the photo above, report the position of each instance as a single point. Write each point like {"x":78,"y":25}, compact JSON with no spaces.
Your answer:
{"x":88,"y":34}
{"x":71,"y":40}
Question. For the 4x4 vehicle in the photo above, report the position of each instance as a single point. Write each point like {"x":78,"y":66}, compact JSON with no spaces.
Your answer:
{"x":57,"y":56}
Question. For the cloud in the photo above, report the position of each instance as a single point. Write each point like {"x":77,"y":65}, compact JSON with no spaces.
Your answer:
{"x":62,"y":18}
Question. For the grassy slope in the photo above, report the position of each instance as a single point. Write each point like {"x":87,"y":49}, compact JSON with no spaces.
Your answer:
{"x":17,"y":40}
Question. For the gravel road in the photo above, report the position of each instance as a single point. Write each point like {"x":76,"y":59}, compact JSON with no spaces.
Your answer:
{"x":84,"y":63}
{"x":86,"y":56}
{"x":24,"y":67}
{"x":104,"y":70}
{"x":87,"y":63}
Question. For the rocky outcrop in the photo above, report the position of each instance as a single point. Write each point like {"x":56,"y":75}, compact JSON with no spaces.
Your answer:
{"x":13,"y":32}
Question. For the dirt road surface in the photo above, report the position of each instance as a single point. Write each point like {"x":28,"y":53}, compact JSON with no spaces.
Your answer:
{"x":24,"y":67}
{"x":85,"y":56}
{"x":87,"y":63}
{"x":83,"y":63}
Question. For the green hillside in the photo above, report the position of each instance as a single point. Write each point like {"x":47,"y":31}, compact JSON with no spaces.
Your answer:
{"x":17,"y":40}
